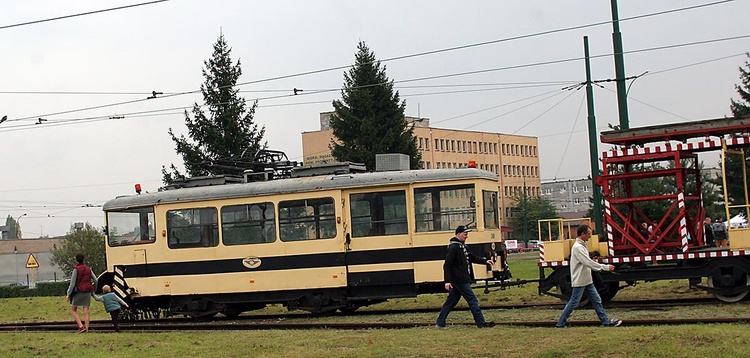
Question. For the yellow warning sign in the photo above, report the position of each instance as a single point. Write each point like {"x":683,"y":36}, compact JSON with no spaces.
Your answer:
{"x":31,"y":262}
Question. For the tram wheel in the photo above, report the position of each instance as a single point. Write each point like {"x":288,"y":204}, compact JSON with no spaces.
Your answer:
{"x":727,"y":284}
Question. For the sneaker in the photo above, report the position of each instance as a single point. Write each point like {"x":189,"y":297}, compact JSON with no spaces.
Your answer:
{"x":440,"y":327}
{"x":614,"y":323}
{"x":487,"y":325}
{"x":81,"y":330}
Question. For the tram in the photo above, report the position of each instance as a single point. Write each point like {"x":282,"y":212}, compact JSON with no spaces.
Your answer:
{"x":315,"y":243}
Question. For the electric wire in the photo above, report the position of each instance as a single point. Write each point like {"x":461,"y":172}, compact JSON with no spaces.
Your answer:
{"x":570,"y":136}
{"x":80,"y":14}
{"x":450,"y":49}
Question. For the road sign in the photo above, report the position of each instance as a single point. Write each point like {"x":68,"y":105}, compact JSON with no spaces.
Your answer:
{"x":31,"y":262}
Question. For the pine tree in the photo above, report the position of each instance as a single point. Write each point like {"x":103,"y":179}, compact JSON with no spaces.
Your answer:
{"x":739,"y":108}
{"x":369,"y":118}
{"x":228,"y":131}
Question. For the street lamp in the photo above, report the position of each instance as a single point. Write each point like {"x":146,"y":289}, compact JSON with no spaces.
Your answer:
{"x":15,"y":251}
{"x":18,"y":226}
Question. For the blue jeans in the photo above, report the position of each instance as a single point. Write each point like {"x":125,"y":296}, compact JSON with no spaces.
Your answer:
{"x":455,"y":294}
{"x":575,"y":298}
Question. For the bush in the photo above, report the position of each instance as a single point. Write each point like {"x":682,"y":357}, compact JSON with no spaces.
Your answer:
{"x":42,"y":289}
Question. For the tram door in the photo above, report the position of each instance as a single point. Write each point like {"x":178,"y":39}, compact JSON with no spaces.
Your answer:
{"x":378,"y":256}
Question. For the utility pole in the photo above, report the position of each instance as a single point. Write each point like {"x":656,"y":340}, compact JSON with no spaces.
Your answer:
{"x":593,"y":143}
{"x":525,"y":210}
{"x":622,"y":94}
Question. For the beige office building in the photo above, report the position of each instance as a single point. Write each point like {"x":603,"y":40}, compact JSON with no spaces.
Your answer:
{"x":514,"y":158}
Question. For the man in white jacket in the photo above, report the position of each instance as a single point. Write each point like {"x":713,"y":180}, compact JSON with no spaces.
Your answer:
{"x":580,"y":278}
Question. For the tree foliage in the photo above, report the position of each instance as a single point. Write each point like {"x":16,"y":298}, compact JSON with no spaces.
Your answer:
{"x":527,"y":211}
{"x":369,"y":118}
{"x":89,"y":241}
{"x":226,"y":131}
{"x":14,"y":229}
{"x":733,"y":162}
{"x":741,"y":107}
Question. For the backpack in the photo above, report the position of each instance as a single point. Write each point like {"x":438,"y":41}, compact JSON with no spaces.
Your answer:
{"x":720,"y":231}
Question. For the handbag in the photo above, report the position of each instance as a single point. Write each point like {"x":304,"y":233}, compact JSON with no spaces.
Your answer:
{"x":75,"y":291}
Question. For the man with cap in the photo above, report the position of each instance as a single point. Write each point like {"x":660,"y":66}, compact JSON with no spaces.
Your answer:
{"x":458,"y":275}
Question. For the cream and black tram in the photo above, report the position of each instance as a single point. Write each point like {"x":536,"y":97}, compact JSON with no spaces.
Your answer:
{"x":317,"y":243}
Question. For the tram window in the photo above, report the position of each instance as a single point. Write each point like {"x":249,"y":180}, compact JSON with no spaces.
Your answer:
{"x":128,"y":227}
{"x":192,"y":228}
{"x":248,"y":224}
{"x":307,"y":219}
{"x":491,"y":220}
{"x":378,"y":214}
{"x":441,"y":208}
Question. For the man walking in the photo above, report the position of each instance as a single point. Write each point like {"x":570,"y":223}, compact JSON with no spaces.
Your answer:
{"x":580,"y":278}
{"x":458,"y":273}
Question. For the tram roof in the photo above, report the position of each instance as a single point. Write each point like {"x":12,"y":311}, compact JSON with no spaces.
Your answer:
{"x":296,"y":185}
{"x":677,"y":131}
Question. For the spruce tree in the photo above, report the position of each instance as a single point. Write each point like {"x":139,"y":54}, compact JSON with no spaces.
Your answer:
{"x":369,"y":118}
{"x":739,"y":108}
{"x":227,"y":131}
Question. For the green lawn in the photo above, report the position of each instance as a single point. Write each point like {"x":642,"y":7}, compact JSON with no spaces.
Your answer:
{"x":718,"y":340}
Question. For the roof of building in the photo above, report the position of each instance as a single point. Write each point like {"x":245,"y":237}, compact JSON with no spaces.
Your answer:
{"x":26,"y":246}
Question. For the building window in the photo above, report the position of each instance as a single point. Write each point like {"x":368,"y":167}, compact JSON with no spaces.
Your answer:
{"x":426,"y":144}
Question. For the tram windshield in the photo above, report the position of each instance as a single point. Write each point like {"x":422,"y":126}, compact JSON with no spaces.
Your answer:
{"x":129,"y":227}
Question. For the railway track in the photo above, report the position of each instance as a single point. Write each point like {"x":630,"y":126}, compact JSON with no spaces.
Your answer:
{"x":286,"y":320}
{"x":166,"y":326}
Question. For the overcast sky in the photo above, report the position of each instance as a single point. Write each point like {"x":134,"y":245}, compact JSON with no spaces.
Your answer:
{"x":514,"y":83}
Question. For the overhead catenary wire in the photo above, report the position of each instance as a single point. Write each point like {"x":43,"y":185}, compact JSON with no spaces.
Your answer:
{"x":434,"y":52}
{"x":404,"y":81}
{"x":80,"y":14}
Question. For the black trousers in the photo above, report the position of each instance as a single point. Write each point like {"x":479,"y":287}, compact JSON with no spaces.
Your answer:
{"x":114,"y":314}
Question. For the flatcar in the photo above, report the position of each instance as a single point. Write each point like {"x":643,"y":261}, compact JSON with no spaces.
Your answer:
{"x":319,"y":243}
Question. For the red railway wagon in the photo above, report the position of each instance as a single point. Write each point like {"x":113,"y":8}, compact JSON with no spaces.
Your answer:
{"x":673,"y":246}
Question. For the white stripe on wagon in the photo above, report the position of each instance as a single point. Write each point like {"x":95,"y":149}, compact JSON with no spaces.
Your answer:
{"x":628,"y":259}
{"x":661,"y":148}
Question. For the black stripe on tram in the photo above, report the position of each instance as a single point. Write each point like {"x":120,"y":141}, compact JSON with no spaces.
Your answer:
{"x":415,"y":254}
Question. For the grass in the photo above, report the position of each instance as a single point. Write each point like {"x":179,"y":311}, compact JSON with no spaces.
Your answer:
{"x":720,"y":340}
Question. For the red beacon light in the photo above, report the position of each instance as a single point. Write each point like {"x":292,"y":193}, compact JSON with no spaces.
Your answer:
{"x":138,"y":188}
{"x":472,"y":164}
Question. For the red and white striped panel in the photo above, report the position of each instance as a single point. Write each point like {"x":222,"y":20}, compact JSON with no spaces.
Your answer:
{"x":541,"y":251}
{"x":668,"y":147}
{"x":661,"y":257}
{"x":683,"y":221}
{"x":610,"y":236}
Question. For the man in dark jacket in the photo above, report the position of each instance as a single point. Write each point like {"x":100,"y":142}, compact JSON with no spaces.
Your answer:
{"x":708,"y":231}
{"x":458,"y":275}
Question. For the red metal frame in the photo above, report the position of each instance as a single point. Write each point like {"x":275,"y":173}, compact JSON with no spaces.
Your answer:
{"x":676,"y":231}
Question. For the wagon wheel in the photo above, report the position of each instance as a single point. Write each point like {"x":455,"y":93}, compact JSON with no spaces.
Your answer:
{"x":730,"y":286}
{"x":608,"y":290}
{"x":564,"y":289}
